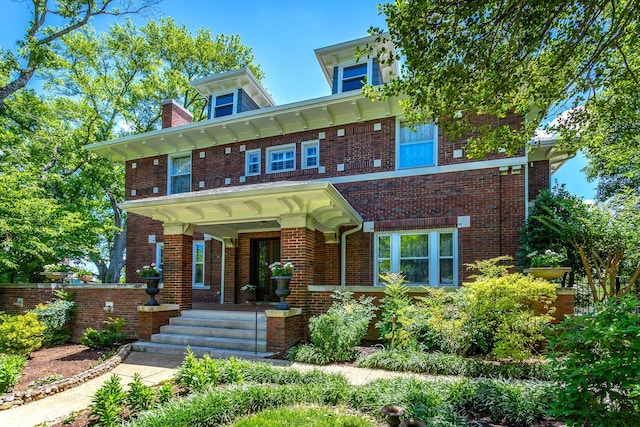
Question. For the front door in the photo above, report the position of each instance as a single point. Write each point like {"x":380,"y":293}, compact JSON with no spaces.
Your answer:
{"x":263,"y":253}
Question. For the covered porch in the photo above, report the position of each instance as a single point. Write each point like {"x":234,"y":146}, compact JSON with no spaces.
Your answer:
{"x":256,"y":224}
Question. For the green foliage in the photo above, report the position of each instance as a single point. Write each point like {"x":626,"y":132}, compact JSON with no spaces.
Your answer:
{"x":194,"y":374}
{"x":305,"y":417}
{"x":490,"y":268}
{"x":56,"y":315}
{"x":108,"y":403}
{"x":451,"y":364}
{"x":597,"y":361}
{"x":139,"y":396}
{"x":10,"y":369}
{"x":335,"y":333}
{"x":396,"y":300}
{"x":112,"y":334}
{"x":164,"y":394}
{"x":20,"y":335}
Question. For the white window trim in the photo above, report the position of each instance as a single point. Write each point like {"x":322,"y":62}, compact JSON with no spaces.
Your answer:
{"x":246,"y":162}
{"x":193,"y":267}
{"x":305,"y":145}
{"x":170,"y":166}
{"x":159,"y":260}
{"x":434,"y":255}
{"x":341,"y":68}
{"x":435,"y":148}
{"x":287,"y":147}
{"x":234,"y":108}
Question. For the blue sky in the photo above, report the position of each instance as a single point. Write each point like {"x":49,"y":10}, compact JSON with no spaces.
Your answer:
{"x":283,"y":35}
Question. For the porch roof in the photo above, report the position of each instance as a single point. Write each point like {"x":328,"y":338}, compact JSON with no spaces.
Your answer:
{"x":224,"y":212}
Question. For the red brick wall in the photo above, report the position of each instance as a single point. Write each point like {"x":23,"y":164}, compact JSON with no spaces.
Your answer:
{"x":539,"y":177}
{"x":297,"y":245}
{"x":151,"y":321}
{"x":139,"y":251}
{"x":177,"y":275}
{"x":174,"y":114}
{"x":285,"y":332}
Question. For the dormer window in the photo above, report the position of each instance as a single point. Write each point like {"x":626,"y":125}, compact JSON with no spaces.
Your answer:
{"x":223,"y":105}
{"x":353,"y":77}
{"x":350,"y":77}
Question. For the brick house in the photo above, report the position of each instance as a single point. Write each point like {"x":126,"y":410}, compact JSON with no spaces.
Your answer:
{"x":338,"y":185}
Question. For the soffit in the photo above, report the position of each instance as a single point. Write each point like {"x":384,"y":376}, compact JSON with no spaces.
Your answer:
{"x":334,"y":110}
{"x":232,"y":209}
{"x":548,"y":149}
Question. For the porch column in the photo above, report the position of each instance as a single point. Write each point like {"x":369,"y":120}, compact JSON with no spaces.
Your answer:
{"x":297,"y":244}
{"x":178,"y":264}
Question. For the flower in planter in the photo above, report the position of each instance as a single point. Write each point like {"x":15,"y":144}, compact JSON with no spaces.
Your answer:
{"x":248,"y":288}
{"x":547,"y":258}
{"x":148,"y":271}
{"x":84,"y":273}
{"x":280,"y":269}
{"x":60,"y":267}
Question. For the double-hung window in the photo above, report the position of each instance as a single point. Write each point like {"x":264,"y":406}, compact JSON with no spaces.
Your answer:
{"x":423,"y":257}
{"x":223,"y":105}
{"x":252,"y":162}
{"x":281,"y":158}
{"x":417,"y":147}
{"x":353,"y":77}
{"x":180,"y":174}
{"x":310,"y":154}
{"x":160,"y":257}
{"x":198,"y":264}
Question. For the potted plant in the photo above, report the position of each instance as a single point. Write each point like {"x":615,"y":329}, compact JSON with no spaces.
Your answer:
{"x":546,"y":265}
{"x":57,"y":271}
{"x":248,"y":293}
{"x":282,"y":274}
{"x":152,"y":276}
{"x":84,"y":275}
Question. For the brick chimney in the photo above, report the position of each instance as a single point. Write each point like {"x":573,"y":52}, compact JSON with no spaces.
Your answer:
{"x":174,"y":114}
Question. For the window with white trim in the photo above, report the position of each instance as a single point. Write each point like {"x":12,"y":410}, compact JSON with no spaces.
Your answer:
{"x":224,"y":105}
{"x":160,"y":257}
{"x":252,"y":162}
{"x":281,"y":158}
{"x":198,"y":264}
{"x":417,"y":147}
{"x":423,"y":257}
{"x":180,"y":174}
{"x":353,"y":76}
{"x":310,"y":154}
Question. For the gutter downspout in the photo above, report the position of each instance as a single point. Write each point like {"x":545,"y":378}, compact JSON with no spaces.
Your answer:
{"x":343,"y":254}
{"x":224,"y":247}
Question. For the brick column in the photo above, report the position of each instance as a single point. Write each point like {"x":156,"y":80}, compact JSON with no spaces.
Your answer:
{"x":297,"y":244}
{"x":178,"y":265}
{"x":151,"y":318}
{"x":230,"y":270}
{"x":285,"y":328}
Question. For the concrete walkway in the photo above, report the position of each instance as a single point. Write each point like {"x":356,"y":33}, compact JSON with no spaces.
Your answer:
{"x":154,"y":368}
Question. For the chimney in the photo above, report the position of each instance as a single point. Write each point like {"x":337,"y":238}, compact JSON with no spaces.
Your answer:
{"x":174,"y":114}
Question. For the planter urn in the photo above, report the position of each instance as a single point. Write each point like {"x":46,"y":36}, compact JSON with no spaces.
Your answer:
{"x":56,"y":276}
{"x":152,"y":290}
{"x":547,"y":273}
{"x":282,"y":291}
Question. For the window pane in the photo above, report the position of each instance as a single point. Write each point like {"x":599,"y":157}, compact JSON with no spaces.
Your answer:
{"x":224,"y":99}
{"x":446,"y":245}
{"x":384,"y":246}
{"x":446,"y":271}
{"x":359,"y":70}
{"x":354,"y":84}
{"x":226,"y":110}
{"x":199,"y":274}
{"x":415,"y":270}
{"x":181,"y":165}
{"x":413,"y":155}
{"x":414,"y":246}
{"x":199,"y":253}
{"x":181,"y":184}
{"x":423,"y":133}
{"x":384,"y":266}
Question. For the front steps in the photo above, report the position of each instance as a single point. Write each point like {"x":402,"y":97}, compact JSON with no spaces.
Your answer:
{"x":218,"y":333}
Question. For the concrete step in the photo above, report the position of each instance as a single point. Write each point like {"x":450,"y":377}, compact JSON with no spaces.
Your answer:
{"x":151,"y":347}
{"x":223,"y":315}
{"x":248,"y":333}
{"x":219,"y":323}
{"x":210,"y":342}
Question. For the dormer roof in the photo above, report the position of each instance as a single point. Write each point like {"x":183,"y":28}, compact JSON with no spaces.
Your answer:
{"x":231,"y":80}
{"x":332,"y":56}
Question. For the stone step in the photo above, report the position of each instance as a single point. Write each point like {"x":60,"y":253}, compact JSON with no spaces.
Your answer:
{"x":151,"y":347}
{"x":223,"y":315}
{"x":249,"y":333}
{"x":211,"y":342}
{"x":219,"y":323}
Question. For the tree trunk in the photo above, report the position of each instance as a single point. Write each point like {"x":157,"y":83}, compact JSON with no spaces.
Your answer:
{"x":116,"y":252}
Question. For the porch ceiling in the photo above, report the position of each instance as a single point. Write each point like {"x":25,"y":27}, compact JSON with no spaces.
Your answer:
{"x":226,"y":211}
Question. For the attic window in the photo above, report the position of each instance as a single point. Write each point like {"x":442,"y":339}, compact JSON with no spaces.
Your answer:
{"x":353,"y":77}
{"x":223,"y":105}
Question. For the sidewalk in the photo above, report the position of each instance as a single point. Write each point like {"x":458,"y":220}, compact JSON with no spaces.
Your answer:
{"x":154,"y":368}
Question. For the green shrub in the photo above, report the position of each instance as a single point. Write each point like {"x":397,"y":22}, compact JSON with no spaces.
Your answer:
{"x":10,"y":369}
{"x":112,"y":334}
{"x":394,"y":304}
{"x":194,"y":374}
{"x":20,"y":335}
{"x":597,"y":360}
{"x":335,"y":333}
{"x":108,"y":403}
{"x":56,"y":315}
{"x":139,"y":396}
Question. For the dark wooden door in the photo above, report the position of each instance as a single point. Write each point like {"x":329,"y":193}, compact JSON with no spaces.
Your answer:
{"x":263,"y":253}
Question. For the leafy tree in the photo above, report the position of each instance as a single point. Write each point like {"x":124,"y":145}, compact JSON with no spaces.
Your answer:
{"x":464,"y":60}
{"x":35,"y":51}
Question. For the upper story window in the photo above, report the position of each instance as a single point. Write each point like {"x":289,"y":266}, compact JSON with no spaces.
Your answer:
{"x":252,"y":162}
{"x":310,"y":154}
{"x":424,"y":258}
{"x":180,"y":174}
{"x":416,"y":148}
{"x":223,"y":105}
{"x":353,"y":77}
{"x":281,"y":159}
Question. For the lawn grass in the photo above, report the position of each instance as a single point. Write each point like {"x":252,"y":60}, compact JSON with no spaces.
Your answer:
{"x":305,"y":417}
